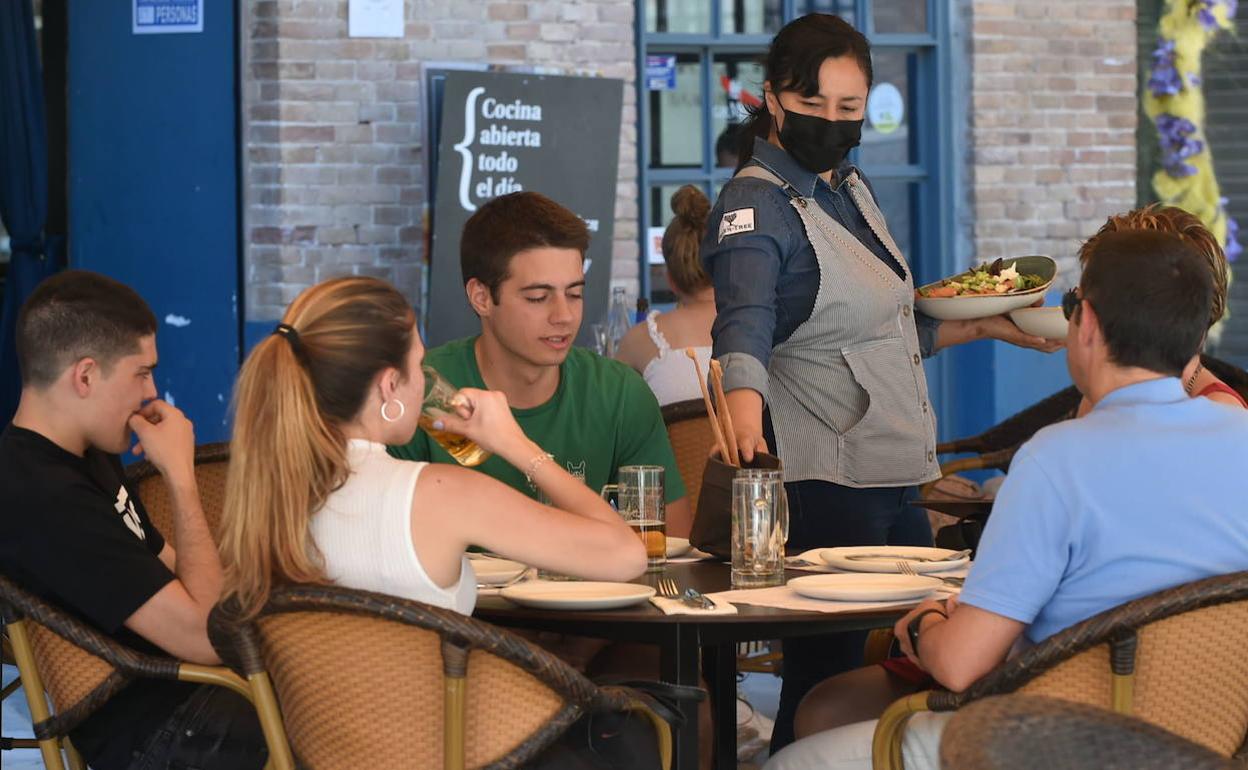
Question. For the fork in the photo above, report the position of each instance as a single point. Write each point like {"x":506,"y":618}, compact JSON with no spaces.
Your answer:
{"x":668,"y":589}
{"x":906,"y":568}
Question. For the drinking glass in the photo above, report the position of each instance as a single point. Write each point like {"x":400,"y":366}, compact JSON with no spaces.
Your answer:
{"x":640,"y":501}
{"x":439,"y":400}
{"x":600,"y":338}
{"x":757,"y":532}
{"x":782,"y":501}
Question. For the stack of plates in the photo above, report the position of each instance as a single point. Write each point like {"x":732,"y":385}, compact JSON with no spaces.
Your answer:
{"x":873,"y":573}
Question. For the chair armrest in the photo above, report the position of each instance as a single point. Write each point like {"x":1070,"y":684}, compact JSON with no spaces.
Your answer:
{"x":886,"y":743}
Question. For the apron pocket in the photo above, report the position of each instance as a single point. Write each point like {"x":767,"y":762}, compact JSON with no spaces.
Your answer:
{"x":888,"y":446}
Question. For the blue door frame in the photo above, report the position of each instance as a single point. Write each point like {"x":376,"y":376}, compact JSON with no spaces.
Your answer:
{"x":153,"y":188}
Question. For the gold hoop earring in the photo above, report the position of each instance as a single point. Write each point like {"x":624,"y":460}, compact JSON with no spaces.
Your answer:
{"x":388,"y":418}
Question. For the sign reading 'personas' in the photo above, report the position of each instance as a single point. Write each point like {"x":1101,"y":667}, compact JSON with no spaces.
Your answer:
{"x":503,"y":133}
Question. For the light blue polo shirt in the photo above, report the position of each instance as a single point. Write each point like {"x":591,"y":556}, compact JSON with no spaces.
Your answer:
{"x":1147,"y":491}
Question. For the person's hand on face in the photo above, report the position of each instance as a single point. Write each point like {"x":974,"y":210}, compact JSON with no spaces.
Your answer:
{"x":166,"y":437}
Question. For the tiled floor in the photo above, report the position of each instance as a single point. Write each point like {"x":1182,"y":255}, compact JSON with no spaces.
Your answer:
{"x":762,"y":691}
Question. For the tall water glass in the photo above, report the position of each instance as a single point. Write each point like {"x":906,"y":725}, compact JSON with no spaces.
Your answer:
{"x":757,"y":532}
{"x":782,"y":501}
{"x":641,"y":503}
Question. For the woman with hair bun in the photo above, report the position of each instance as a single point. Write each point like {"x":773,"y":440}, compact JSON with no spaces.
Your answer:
{"x":313,"y":497}
{"x":656,"y":350}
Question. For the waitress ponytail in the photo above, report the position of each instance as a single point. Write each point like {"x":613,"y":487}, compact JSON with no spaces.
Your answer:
{"x":792,"y":64}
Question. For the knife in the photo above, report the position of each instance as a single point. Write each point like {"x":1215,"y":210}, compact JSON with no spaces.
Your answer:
{"x":896,"y":557}
{"x":694,"y":598}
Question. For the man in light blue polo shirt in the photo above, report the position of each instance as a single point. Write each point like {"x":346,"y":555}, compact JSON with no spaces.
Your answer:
{"x":1144,"y":493}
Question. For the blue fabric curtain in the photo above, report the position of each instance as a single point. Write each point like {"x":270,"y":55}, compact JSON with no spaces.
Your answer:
{"x":23,"y":182}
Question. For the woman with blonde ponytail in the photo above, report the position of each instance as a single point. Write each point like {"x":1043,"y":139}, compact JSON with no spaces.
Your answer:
{"x":656,"y":349}
{"x":313,"y":497}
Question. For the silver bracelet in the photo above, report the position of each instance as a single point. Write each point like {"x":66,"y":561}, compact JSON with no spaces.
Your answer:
{"x":534,"y":464}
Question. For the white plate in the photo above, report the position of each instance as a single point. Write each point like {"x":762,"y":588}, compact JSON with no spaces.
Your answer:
{"x":1041,"y":321}
{"x":677,"y":546}
{"x":493,"y":572}
{"x":850,"y":587}
{"x":573,"y":595}
{"x":984,"y":305}
{"x":890,"y":555}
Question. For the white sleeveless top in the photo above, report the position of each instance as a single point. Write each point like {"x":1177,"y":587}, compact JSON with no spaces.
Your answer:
{"x":364,"y":533}
{"x":670,"y":374}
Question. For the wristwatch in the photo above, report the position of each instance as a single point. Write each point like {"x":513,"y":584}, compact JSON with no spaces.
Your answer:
{"x":912,"y":628}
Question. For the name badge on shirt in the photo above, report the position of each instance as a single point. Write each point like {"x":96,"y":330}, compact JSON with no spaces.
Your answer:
{"x":734,"y":222}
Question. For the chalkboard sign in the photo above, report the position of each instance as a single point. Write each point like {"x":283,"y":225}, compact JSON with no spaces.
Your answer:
{"x":505,"y":132}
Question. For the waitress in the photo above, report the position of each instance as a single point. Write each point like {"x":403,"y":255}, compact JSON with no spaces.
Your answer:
{"x":816,"y":322}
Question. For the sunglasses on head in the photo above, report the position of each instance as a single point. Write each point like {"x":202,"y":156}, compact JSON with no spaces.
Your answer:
{"x":1070,"y":301}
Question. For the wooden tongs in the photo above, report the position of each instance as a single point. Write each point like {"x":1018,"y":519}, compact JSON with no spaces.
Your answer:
{"x":721,"y":422}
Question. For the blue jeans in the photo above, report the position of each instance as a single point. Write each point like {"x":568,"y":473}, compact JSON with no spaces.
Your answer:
{"x":823,"y":514}
{"x":214,"y":729}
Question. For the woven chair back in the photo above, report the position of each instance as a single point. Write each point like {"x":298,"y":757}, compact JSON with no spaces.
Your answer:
{"x":70,"y":674}
{"x":365,"y":691}
{"x":212,"y":462}
{"x":689,"y":430}
{"x":1189,"y":677}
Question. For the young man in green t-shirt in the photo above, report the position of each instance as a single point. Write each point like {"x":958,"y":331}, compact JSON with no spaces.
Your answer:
{"x":522,"y":258}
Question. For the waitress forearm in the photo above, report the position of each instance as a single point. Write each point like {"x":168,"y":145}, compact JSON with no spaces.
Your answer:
{"x":951,"y":333}
{"x":997,"y":327}
{"x":746,"y":407}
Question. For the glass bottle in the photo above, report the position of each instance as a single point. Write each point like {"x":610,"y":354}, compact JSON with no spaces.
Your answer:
{"x":618,"y":320}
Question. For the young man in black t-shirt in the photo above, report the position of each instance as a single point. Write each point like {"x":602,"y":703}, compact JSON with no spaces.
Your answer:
{"x":72,"y":532}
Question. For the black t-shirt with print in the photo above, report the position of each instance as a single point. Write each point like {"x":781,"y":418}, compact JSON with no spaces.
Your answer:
{"x":73,"y":533}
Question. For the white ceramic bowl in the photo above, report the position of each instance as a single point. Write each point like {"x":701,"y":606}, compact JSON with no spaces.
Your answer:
{"x":984,"y":305}
{"x":1041,"y":321}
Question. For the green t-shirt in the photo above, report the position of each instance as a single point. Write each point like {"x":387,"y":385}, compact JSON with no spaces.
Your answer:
{"x":602,"y":416}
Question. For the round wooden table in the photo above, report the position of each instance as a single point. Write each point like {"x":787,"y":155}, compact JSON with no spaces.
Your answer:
{"x":681,"y":638}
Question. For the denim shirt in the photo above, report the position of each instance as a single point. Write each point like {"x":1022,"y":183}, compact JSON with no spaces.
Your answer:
{"x":766,"y":279}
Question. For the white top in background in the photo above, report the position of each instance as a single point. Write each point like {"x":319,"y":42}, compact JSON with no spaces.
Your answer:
{"x":670,"y":374}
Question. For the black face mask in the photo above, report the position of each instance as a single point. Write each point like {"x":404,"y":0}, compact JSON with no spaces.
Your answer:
{"x":818,"y":144}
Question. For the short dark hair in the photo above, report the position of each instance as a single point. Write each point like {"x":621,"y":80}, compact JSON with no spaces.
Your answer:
{"x":1151,"y":291}
{"x":510,"y":224}
{"x":74,"y":315}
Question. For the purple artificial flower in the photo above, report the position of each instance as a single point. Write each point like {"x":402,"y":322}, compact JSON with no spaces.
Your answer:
{"x":1164,"y":79}
{"x":1206,"y":18}
{"x":1174,"y":135}
{"x":1233,"y":248}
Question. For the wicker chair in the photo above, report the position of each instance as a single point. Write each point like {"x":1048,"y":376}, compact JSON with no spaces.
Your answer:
{"x":502,"y":700}
{"x":211,"y":463}
{"x":80,"y":668}
{"x":995,"y":447}
{"x":689,"y":430}
{"x":1028,"y":732}
{"x":1190,"y":680}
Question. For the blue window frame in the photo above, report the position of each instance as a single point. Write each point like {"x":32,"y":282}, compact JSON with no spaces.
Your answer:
{"x":699,"y":61}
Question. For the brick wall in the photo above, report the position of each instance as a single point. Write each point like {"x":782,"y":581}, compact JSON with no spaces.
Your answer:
{"x":1052,"y":116}
{"x":333,"y":126}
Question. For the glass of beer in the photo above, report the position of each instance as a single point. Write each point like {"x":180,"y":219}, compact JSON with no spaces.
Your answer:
{"x":641,"y":503}
{"x":440,"y":400}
